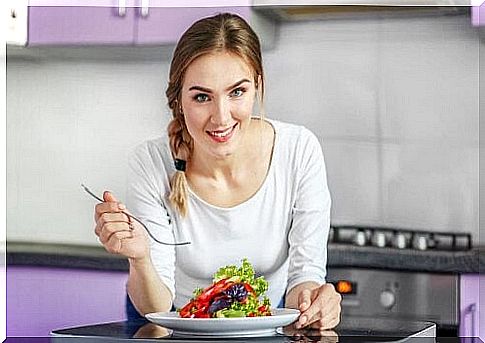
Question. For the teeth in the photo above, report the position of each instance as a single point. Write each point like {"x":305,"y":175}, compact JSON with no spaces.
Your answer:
{"x":221,"y":134}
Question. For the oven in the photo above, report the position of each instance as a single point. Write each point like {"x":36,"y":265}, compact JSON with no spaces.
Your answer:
{"x":399,"y":294}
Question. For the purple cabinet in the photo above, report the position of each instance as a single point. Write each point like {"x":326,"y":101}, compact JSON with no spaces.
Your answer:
{"x":41,"y":299}
{"x":164,"y":25}
{"x":95,"y":25}
{"x":478,"y":15}
{"x":52,"y":25}
{"x":472,"y":306}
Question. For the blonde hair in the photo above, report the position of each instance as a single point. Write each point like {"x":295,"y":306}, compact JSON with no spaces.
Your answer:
{"x":222,"y":32}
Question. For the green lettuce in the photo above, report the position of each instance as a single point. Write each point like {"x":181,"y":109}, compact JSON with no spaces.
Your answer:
{"x":244,"y":273}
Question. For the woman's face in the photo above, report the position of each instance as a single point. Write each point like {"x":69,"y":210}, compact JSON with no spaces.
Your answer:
{"x":217,"y":100}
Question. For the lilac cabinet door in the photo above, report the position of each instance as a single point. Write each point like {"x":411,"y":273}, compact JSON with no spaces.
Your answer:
{"x":41,"y":299}
{"x":165,"y":25}
{"x":472,"y":306}
{"x":50,"y":25}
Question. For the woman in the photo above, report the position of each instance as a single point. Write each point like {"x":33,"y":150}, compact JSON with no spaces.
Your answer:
{"x":234,"y":185}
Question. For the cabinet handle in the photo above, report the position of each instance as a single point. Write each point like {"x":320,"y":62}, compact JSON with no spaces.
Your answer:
{"x":144,"y":8}
{"x":121,"y":8}
{"x":471,"y":310}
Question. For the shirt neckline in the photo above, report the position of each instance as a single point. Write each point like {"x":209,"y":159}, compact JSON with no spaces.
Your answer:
{"x":263,"y":185}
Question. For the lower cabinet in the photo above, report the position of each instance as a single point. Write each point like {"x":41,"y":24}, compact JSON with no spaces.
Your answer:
{"x":472,"y":306}
{"x":41,"y":299}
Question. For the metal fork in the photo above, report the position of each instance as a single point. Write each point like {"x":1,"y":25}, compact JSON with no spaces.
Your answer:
{"x":134,"y":218}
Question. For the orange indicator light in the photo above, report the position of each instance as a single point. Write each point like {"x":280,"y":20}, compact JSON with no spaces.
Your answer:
{"x":344,"y":287}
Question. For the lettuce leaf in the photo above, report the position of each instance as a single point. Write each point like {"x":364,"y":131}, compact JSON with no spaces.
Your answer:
{"x":245,"y":273}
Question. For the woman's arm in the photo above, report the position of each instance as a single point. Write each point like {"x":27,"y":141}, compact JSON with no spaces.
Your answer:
{"x":151,"y":284}
{"x":318,"y":302}
{"x":119,"y":236}
{"x":147,"y":292}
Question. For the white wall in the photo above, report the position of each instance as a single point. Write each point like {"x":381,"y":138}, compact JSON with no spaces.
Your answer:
{"x":394,"y":101}
{"x":72,"y":122}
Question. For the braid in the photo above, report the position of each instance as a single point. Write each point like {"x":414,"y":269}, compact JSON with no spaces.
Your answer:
{"x":181,"y":146}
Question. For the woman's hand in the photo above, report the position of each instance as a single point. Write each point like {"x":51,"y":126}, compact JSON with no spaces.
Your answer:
{"x":319,"y":307}
{"x":118,"y":233}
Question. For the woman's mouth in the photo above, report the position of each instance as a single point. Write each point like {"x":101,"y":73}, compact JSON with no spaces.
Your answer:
{"x":221,"y":136}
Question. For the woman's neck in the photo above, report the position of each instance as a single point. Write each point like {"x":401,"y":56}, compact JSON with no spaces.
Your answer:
{"x":218,"y":169}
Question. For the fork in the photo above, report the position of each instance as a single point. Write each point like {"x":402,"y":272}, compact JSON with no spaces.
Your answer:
{"x":134,"y":218}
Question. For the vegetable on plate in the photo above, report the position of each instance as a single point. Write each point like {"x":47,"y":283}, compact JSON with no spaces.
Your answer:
{"x":235,"y":292}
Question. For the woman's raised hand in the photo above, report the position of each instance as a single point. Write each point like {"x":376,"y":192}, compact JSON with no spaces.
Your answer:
{"x":118,"y":233}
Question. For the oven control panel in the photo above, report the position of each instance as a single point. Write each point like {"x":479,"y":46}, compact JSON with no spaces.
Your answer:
{"x":405,"y":295}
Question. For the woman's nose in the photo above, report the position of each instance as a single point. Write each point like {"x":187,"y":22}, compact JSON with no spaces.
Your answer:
{"x":221,"y":114}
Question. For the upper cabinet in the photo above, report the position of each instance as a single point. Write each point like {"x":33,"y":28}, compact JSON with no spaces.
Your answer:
{"x":478,"y":14}
{"x":116,"y":22}
{"x":49,"y":25}
{"x":165,"y":25}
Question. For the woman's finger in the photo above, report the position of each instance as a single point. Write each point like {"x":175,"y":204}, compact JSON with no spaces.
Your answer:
{"x":311,"y":315}
{"x":115,"y":243}
{"x":110,"y":218}
{"x":110,"y":229}
{"x":113,"y":217}
{"x":330,"y":309}
{"x":304,"y":300}
{"x":107,"y":207}
{"x":325,"y":307}
{"x":109,"y":197}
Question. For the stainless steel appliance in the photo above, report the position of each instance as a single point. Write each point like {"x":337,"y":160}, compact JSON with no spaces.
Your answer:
{"x":400,"y":238}
{"x":406,"y":295}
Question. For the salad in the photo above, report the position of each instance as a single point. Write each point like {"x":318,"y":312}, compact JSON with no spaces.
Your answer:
{"x":234,"y":292}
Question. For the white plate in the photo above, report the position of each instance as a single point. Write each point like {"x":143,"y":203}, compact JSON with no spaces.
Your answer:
{"x":225,"y":327}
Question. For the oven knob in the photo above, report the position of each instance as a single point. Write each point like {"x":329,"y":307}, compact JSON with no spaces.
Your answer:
{"x":400,"y":240}
{"x":420,"y":242}
{"x":387,"y":299}
{"x":360,"y":239}
{"x":379,"y":239}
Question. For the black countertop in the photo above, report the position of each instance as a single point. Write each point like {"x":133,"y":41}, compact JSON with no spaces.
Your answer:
{"x":351,"y":329}
{"x":339,"y":255}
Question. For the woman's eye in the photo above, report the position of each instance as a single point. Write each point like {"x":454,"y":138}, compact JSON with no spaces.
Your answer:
{"x":238,"y":92}
{"x":201,"y":97}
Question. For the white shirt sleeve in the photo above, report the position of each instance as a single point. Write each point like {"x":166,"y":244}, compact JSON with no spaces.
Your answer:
{"x":311,"y":215}
{"x":144,"y":200}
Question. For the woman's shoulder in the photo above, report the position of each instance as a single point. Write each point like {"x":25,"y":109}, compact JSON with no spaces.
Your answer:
{"x":293,"y":134}
{"x":154,"y":152}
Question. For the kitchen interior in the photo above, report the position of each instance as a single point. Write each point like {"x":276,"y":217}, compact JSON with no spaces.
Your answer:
{"x":392,"y":92}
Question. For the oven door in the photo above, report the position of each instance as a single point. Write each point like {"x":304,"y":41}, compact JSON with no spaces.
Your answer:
{"x":398,"y":295}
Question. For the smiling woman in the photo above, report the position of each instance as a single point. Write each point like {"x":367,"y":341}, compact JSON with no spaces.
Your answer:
{"x":227,"y":181}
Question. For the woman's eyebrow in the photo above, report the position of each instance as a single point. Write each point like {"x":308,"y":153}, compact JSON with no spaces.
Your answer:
{"x":237,"y":84}
{"x":207,"y":90}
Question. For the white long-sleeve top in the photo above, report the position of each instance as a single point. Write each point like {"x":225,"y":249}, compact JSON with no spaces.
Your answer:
{"x":282,"y":229}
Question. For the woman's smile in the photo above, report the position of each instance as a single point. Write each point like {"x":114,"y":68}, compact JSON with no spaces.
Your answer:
{"x":222,"y":136}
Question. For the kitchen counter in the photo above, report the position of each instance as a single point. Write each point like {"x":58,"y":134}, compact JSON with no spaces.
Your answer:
{"x":339,"y":255}
{"x":351,"y":329}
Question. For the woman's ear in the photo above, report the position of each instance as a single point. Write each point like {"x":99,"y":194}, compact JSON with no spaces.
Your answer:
{"x":259,"y":89}
{"x":258,"y":82}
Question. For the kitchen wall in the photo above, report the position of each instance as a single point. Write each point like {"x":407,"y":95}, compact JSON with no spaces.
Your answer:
{"x":394,"y":102}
